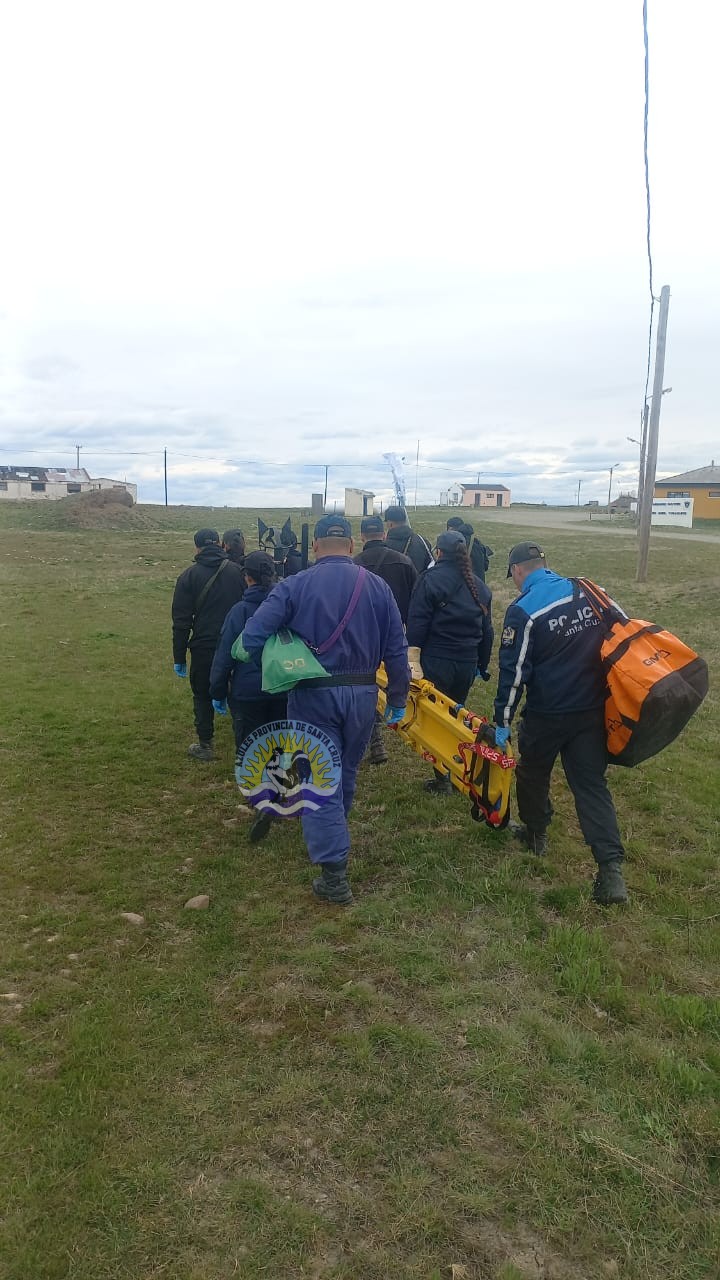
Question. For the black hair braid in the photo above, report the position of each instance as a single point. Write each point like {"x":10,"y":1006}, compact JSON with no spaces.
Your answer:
{"x":462,"y":560}
{"x":266,"y":577}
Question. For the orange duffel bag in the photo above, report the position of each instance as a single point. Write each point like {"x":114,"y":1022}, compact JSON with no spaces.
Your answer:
{"x":655,"y":683}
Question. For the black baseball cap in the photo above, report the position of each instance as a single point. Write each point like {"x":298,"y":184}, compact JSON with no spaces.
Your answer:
{"x":397,"y":515}
{"x":333,"y":527}
{"x":372,"y":524}
{"x":204,"y":537}
{"x":450,"y":540}
{"x":523,"y":551}
{"x":260,"y":565}
{"x":455,"y":522}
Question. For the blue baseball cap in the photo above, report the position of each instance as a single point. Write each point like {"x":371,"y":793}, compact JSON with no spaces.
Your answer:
{"x":372,"y":524}
{"x":333,"y":527}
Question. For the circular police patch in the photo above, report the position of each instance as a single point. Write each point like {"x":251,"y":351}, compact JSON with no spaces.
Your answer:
{"x":288,"y":767}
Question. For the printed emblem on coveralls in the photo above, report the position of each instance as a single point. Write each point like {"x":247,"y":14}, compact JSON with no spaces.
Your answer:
{"x":288,"y":767}
{"x":508,"y":637}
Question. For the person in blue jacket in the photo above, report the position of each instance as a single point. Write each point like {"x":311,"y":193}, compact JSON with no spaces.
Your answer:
{"x":550,"y":648}
{"x":340,"y":600}
{"x":239,"y":685}
{"x":449,"y":629}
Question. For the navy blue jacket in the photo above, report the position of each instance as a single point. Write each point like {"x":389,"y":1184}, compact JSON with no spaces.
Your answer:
{"x":550,"y":647}
{"x":312,"y":604}
{"x":244,"y":678}
{"x":444,"y":620}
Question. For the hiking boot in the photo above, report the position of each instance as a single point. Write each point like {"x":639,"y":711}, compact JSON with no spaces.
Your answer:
{"x":376,"y":751}
{"x":439,"y":786}
{"x":609,"y":886}
{"x":535,"y":841}
{"x":260,"y":827}
{"x":333,"y":885}
{"x":201,"y":751}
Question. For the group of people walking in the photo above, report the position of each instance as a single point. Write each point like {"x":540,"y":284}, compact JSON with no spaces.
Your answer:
{"x":425,"y":613}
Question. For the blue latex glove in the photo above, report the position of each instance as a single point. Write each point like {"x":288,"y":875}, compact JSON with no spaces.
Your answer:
{"x":220,"y":705}
{"x":394,"y":715}
{"x":481,"y":675}
{"x":502,"y":736}
{"x":180,"y":669}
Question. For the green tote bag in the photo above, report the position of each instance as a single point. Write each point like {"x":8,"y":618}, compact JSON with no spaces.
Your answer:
{"x":285,"y":660}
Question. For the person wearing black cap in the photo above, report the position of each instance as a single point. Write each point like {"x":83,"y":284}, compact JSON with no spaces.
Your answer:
{"x":239,"y":684}
{"x":351,"y":618}
{"x":550,"y":648}
{"x":203,"y":595}
{"x":478,"y":552}
{"x":400,"y":537}
{"x":401,"y":575}
{"x":449,"y":629}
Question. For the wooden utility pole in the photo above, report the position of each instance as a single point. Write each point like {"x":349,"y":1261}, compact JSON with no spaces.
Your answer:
{"x":165,"y":473}
{"x":417,"y":468}
{"x":643,"y":450}
{"x":653,"y":436}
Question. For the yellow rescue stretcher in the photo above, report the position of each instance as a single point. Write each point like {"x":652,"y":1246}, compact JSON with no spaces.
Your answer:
{"x":449,"y":736}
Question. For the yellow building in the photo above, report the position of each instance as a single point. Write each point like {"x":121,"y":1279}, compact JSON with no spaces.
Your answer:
{"x":703,"y":485}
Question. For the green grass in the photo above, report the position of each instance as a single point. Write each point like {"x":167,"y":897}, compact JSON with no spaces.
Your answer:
{"x":473,"y":1067}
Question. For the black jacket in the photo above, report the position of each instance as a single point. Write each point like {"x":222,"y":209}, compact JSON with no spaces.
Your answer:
{"x":402,"y":538}
{"x":201,"y":630}
{"x":479,"y":556}
{"x":445,"y":621}
{"x":397,"y":570}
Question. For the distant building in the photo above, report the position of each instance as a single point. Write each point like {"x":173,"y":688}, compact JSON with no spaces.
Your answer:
{"x":358,"y":503}
{"x":703,"y":485}
{"x":55,"y":482}
{"x":482,"y":495}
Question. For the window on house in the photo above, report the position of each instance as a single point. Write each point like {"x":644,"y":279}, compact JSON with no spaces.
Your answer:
{"x":713,"y":493}
{"x":73,"y":488}
{"x":3,"y":484}
{"x":37,"y":486}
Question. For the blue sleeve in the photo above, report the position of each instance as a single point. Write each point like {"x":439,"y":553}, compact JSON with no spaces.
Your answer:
{"x":420,"y":613}
{"x":276,"y":611}
{"x":514,"y":662}
{"x":395,"y":658}
{"x":222,"y":663}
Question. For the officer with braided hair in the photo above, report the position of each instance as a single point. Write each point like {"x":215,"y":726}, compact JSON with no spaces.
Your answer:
{"x":449,"y":629}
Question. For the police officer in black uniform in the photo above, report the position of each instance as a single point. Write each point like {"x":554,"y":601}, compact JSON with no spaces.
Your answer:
{"x":449,"y":629}
{"x":479,"y":553}
{"x":400,"y":537}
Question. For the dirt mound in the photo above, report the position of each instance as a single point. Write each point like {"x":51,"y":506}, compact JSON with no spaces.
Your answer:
{"x":99,"y":509}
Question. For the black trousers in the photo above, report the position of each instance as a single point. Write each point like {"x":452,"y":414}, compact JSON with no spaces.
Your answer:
{"x":579,"y":739}
{"x":248,"y":715}
{"x":452,"y":678}
{"x":200,"y":664}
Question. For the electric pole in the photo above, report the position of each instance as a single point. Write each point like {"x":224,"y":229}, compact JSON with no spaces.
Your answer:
{"x":653,"y":436}
{"x":578,"y":493}
{"x":165,"y":473}
{"x":417,"y":466}
{"x":326,"y":484}
{"x":78,"y":447}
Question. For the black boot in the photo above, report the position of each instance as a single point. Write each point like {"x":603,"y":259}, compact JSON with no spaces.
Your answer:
{"x":333,"y":884}
{"x":376,"y":751}
{"x":260,"y":826}
{"x":440,"y":785}
{"x":201,"y":751}
{"x":535,"y":841}
{"x":609,"y":886}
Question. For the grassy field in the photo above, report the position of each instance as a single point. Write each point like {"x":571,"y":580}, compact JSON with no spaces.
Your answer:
{"x":474,"y":1073}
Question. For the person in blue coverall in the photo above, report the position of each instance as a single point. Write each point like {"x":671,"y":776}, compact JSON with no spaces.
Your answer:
{"x":239,"y":684}
{"x":449,"y":629}
{"x":550,"y":648}
{"x":313,"y":604}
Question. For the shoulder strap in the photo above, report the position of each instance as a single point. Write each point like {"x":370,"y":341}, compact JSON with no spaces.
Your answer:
{"x":407,"y":544}
{"x":359,"y":584}
{"x":204,"y":593}
{"x":602,"y":606}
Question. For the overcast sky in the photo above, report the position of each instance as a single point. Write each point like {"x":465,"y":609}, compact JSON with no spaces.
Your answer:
{"x":273,"y":236}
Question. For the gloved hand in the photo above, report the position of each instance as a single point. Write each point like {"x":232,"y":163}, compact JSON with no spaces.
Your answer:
{"x":239,"y":652}
{"x":180,"y":669}
{"x":416,"y":671}
{"x":481,"y":675}
{"x":502,"y":736}
{"x":394,"y":715}
{"x":220,"y":705}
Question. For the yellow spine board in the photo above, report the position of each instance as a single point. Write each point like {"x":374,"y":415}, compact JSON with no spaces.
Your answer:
{"x":448,"y":736}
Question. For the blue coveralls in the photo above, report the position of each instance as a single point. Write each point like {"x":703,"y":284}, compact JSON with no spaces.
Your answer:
{"x":312,"y":604}
{"x":550,"y":647}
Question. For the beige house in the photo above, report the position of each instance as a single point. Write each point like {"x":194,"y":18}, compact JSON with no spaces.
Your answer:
{"x":484,"y":495}
{"x":54,"y":482}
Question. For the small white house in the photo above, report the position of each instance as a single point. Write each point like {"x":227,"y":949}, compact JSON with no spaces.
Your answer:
{"x":358,"y":503}
{"x":54,"y":482}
